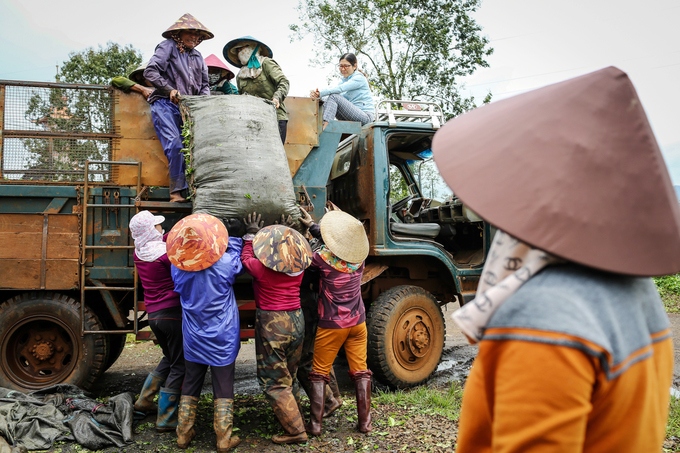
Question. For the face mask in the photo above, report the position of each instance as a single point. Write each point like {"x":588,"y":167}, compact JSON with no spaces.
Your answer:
{"x":244,"y":55}
{"x":213,"y":79}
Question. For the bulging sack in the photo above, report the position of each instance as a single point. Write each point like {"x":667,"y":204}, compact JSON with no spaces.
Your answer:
{"x":237,"y":162}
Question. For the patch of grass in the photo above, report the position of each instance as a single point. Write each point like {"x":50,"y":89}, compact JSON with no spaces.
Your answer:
{"x":427,"y":399}
{"x":673,"y":424}
{"x":669,"y":290}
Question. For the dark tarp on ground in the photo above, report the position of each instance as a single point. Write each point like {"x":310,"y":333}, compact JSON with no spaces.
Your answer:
{"x":63,"y":412}
{"x":239,"y":163}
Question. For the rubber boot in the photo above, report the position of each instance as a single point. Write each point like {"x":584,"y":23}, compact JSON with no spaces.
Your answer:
{"x":168,"y":404}
{"x":291,"y":420}
{"x":186,"y":419}
{"x":330,"y":403}
{"x":151,"y":386}
{"x":362,"y":386}
{"x":316,"y":402}
{"x":224,"y":424}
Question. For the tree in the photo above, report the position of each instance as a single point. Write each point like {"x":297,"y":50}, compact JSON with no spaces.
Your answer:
{"x":416,"y":49}
{"x":82,"y":111}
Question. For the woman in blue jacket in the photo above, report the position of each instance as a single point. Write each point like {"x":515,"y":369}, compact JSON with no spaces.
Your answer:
{"x":351,"y":100}
{"x":205,"y":263}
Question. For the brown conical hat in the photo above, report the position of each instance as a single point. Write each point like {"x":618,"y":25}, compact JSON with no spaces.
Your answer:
{"x":188,"y":22}
{"x":197,"y":242}
{"x":572,"y":168}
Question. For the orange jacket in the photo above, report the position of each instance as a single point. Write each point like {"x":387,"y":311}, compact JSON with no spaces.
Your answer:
{"x":575,"y":361}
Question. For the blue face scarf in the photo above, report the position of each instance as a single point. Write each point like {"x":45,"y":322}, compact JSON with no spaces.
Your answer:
{"x":253,"y":62}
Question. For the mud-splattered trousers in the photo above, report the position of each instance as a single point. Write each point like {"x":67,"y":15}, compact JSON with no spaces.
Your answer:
{"x":278,"y":346}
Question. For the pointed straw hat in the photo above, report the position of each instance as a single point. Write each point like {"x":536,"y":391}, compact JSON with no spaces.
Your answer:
{"x":344,"y":236}
{"x":282,"y":249}
{"x":188,"y":22}
{"x":213,"y":61}
{"x":573,"y":169}
{"x":197,"y":242}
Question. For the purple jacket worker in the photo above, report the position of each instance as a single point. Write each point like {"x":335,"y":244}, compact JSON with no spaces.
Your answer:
{"x":176,"y":69}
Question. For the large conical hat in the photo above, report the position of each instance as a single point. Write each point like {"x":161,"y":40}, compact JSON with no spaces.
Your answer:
{"x":137,"y":75}
{"x":230,"y":54}
{"x":188,"y":22}
{"x":573,"y":169}
{"x":282,"y":249}
{"x":213,"y":61}
{"x":197,"y":242}
{"x":345,"y":236}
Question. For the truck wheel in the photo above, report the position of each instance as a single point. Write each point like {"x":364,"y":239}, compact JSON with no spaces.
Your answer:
{"x":41,"y":345}
{"x":116,"y":347}
{"x":405,"y":336}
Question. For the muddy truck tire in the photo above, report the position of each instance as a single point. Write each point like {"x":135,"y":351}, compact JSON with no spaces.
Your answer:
{"x":405,"y":336}
{"x":41,"y":345}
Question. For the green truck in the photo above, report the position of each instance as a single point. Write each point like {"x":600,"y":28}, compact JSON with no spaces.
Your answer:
{"x":77,"y":161}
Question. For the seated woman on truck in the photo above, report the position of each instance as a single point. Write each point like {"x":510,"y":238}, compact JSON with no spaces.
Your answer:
{"x":259,"y":75}
{"x":276,"y":257}
{"x":205,"y":263}
{"x":219,"y":76}
{"x":351,"y":100}
{"x":342,"y":315}
{"x":165,"y":319}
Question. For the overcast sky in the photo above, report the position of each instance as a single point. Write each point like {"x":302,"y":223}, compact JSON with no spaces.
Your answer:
{"x":536,"y":42}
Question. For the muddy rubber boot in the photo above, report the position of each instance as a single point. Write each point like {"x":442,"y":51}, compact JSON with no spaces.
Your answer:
{"x":224,"y":424}
{"x":316,"y":401}
{"x":330,"y":403}
{"x":362,"y":386}
{"x":333,"y":384}
{"x":186,"y":419}
{"x":168,"y":405}
{"x":291,"y":420}
{"x":151,"y":386}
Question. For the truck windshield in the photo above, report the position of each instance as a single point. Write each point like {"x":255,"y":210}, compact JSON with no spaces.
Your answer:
{"x":430,"y":182}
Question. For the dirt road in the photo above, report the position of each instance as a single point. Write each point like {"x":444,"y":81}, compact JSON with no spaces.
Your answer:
{"x":412,"y":431}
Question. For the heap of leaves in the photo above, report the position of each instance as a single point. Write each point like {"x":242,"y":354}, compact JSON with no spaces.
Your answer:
{"x":188,"y":143}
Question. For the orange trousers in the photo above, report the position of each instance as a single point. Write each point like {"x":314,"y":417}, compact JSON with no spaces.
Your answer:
{"x":329,"y":341}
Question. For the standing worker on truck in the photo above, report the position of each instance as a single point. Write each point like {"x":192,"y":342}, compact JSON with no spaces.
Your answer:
{"x":176,"y":69}
{"x":259,"y":75}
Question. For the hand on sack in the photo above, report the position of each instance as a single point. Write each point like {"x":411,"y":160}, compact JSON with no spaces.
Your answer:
{"x":253,"y":223}
{"x":306,"y":219}
{"x":276,"y":102}
{"x":289,"y":222}
{"x":174,"y":97}
{"x":235,"y":227}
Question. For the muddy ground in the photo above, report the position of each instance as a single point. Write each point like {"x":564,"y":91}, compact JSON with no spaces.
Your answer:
{"x":395,"y":428}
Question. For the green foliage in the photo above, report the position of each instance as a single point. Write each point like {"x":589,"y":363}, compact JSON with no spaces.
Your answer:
{"x":669,"y":290}
{"x":673,"y":423}
{"x":99,"y":66}
{"x":425,"y":400}
{"x":398,"y":185}
{"x":414,"y":49}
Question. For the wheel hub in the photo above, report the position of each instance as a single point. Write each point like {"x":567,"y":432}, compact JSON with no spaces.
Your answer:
{"x":419,"y":339}
{"x":43,"y":350}
{"x":413,"y":338}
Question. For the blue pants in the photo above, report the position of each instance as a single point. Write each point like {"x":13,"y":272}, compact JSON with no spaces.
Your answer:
{"x":167,"y":121}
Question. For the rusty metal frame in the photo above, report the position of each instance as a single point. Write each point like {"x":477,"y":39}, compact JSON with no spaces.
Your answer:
{"x":2,"y":127}
{"x":85,"y":248}
{"x":112,"y":137}
{"x":43,"y":260}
